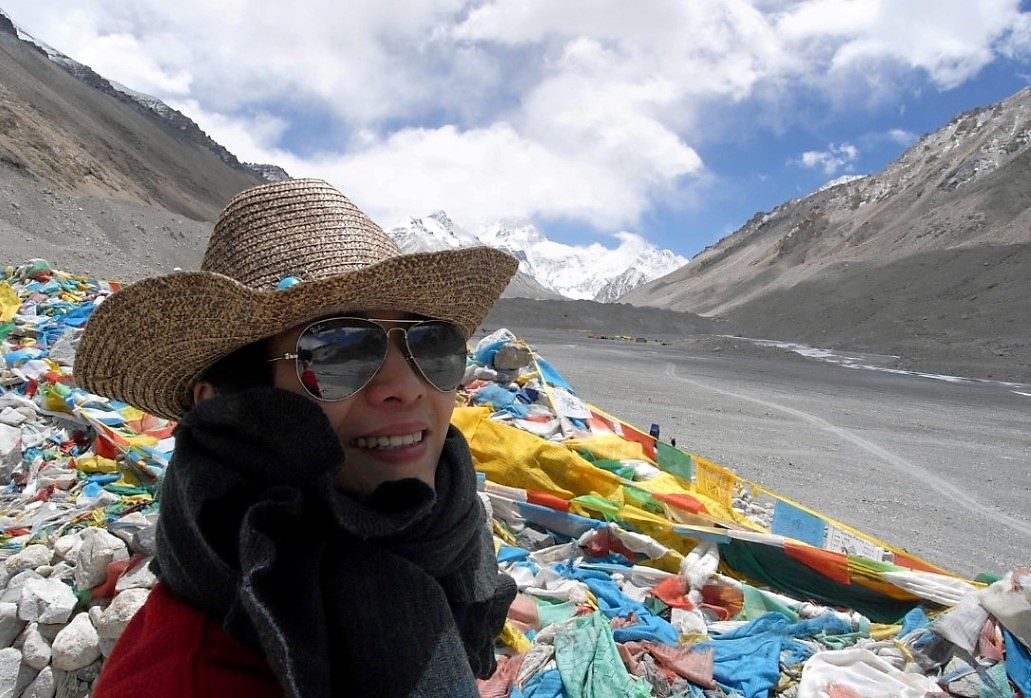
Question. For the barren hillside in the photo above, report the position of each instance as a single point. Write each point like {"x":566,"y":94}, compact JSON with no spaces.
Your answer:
{"x":96,"y":183}
{"x":929,"y":259}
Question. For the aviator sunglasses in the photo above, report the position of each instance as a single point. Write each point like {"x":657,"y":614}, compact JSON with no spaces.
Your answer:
{"x":336,"y":357}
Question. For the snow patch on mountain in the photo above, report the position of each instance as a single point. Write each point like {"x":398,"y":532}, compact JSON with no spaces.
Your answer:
{"x":594,"y":272}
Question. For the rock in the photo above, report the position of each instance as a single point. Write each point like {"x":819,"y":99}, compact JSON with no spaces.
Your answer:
{"x":12,"y":592}
{"x":123,"y":607}
{"x":99,"y":549}
{"x":130,"y":527}
{"x":77,"y":645}
{"x":144,"y":540}
{"x":11,"y":625}
{"x":511,"y":357}
{"x":43,"y":686}
{"x":46,"y":601}
{"x":10,"y":437}
{"x":106,"y":645}
{"x":67,"y":546}
{"x":35,"y":649}
{"x":50,"y":630}
{"x":32,"y":556}
{"x":14,"y":675}
{"x":63,"y":571}
{"x":12,"y":416}
{"x":10,"y":453}
{"x":138,"y":577}
{"x":78,"y":683}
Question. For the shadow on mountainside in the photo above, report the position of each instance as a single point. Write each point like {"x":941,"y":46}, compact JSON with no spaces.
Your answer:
{"x":600,"y":318}
{"x":962,"y":311}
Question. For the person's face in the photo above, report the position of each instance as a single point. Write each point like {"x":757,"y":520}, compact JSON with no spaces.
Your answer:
{"x":393,"y":428}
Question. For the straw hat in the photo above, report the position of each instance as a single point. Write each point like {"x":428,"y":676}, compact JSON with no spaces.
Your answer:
{"x":147,"y":344}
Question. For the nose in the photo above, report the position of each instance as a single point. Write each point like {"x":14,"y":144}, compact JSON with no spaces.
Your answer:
{"x":396,"y":379}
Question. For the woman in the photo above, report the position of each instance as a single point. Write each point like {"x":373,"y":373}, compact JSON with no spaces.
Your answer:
{"x":319,"y":534}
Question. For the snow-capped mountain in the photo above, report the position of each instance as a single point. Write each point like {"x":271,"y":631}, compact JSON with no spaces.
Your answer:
{"x":433,"y":232}
{"x":594,"y":272}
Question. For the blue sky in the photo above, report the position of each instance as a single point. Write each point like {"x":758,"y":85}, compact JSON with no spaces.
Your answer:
{"x":673,"y":120}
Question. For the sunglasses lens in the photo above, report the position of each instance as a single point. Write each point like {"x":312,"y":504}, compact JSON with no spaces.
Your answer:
{"x":336,"y":358}
{"x":439,"y":351}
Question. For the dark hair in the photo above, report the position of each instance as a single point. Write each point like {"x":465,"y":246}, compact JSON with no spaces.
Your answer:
{"x":245,"y":368}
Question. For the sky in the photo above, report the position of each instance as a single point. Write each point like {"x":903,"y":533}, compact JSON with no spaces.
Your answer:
{"x":673,"y":120}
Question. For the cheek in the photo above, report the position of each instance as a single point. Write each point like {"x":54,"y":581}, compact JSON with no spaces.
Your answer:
{"x":337,"y":414}
{"x":443,"y":406}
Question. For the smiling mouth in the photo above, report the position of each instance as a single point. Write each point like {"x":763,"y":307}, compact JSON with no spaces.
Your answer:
{"x":388,"y":442}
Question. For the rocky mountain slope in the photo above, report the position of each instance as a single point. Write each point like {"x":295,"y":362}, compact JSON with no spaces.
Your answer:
{"x":929,"y":259}
{"x":96,"y":181}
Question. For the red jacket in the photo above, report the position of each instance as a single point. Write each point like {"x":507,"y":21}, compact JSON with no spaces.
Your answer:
{"x":172,"y":650}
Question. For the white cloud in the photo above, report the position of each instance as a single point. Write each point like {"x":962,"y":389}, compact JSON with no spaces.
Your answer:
{"x":902,"y":137}
{"x":837,"y":158}
{"x":868,"y":39}
{"x":478,"y":176}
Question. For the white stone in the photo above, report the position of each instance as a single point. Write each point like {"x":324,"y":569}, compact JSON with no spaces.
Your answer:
{"x":12,"y":416}
{"x":62,"y":571}
{"x":139,"y":577}
{"x":35,"y":649}
{"x":77,"y":646}
{"x":10,"y":667}
{"x":50,"y":630}
{"x":46,"y":601}
{"x":43,"y":686}
{"x":14,"y":675}
{"x":11,"y":625}
{"x":106,"y":645}
{"x":31,"y":556}
{"x":12,"y":592}
{"x":99,"y":549}
{"x":9,"y":439}
{"x":123,"y":607}
{"x":79,"y":683}
{"x":67,"y":546}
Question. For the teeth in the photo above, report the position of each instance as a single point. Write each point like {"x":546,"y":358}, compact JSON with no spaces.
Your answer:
{"x":388,"y":441}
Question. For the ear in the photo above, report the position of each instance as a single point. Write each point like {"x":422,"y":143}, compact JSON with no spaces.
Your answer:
{"x":202,"y":391}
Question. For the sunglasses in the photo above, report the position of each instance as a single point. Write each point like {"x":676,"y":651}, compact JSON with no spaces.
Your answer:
{"x":337,"y":357}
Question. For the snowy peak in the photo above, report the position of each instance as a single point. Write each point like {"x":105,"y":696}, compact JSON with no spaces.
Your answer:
{"x":594,"y":272}
{"x":431,"y":233}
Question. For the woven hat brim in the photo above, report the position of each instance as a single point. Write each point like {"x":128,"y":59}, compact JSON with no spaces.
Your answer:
{"x":147,"y":344}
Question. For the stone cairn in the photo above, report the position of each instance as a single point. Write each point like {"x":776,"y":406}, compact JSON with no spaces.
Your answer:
{"x":77,"y":511}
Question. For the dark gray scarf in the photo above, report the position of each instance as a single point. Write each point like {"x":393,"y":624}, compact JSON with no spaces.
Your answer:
{"x":398,"y":594}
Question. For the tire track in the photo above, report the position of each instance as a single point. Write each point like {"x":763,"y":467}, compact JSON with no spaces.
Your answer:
{"x":899,"y":463}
